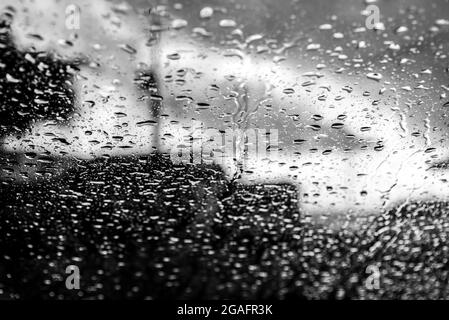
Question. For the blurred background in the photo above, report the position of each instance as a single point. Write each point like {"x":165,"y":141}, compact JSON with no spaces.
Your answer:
{"x":97,"y":100}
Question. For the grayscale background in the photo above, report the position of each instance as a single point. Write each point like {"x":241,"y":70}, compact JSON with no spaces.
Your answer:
{"x":224,"y":149}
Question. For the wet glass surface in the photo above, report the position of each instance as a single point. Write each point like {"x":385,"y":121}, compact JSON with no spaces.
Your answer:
{"x":224,"y":149}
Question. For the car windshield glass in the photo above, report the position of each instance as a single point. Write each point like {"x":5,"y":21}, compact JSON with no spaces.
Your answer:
{"x":291,"y":146}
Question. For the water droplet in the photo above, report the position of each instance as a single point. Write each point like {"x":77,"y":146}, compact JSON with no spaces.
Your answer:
{"x":374,"y":76}
{"x":337,"y":125}
{"x":179,"y":23}
{"x":227,"y":23}
{"x":206,"y":12}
